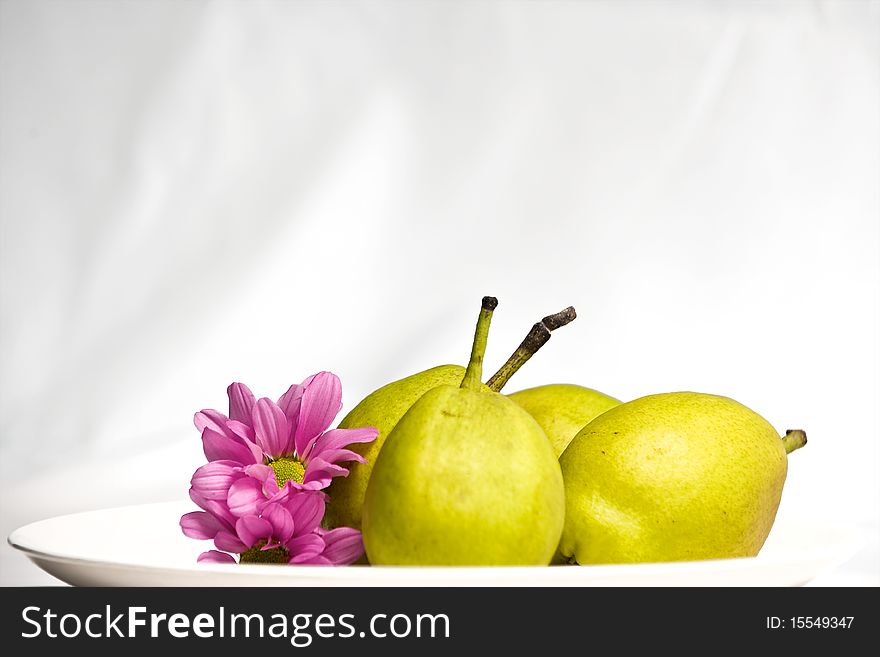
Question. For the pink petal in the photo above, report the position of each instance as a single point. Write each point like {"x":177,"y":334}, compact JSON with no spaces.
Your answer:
{"x":256,"y":453}
{"x":200,"y":525}
{"x":321,"y":401}
{"x":343,"y":545}
{"x":218,"y":447}
{"x":320,"y":471}
{"x":337,"y":456}
{"x":211,"y":419}
{"x":306,"y":547}
{"x":311,"y":486}
{"x":271,"y":428}
{"x":317,"y":560}
{"x":266,"y":476}
{"x":251,"y":530}
{"x":283,"y":493}
{"x":341,"y":438}
{"x":216,"y":508}
{"x":212,"y":480}
{"x":213,"y":556}
{"x":307,"y":511}
{"x":246,"y":497}
{"x":291,"y":488}
{"x":280,"y":520}
{"x":241,"y":429}
{"x":246,"y":435}
{"x":241,"y":402}
{"x":290,"y":403}
{"x":229,"y":542}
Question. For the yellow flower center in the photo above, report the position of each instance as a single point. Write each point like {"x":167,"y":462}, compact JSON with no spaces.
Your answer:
{"x":287,"y":469}
{"x":256,"y":555}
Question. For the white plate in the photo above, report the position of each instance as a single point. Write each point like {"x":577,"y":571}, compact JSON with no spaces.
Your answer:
{"x":143,"y":546}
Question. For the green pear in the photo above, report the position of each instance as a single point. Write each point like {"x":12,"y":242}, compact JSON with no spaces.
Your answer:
{"x":673,"y":477}
{"x":384,"y":407}
{"x":466,"y":477}
{"x":562,"y":409}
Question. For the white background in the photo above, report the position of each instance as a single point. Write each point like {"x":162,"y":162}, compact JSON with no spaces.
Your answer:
{"x":192,"y":194}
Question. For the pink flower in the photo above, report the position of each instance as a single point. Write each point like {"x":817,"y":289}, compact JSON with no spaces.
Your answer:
{"x":285,"y":529}
{"x":289,"y":436}
{"x":261,"y":491}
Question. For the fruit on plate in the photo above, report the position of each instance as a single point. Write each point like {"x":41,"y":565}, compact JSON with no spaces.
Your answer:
{"x":562,"y":409}
{"x":384,"y":407}
{"x":672,"y":477}
{"x":466,"y":477}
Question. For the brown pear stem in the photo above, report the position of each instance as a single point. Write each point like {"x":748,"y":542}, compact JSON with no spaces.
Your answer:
{"x":563,"y":317}
{"x":794,"y":439}
{"x":536,"y":338}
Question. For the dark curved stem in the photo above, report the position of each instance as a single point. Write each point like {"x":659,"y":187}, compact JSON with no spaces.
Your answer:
{"x":536,"y":338}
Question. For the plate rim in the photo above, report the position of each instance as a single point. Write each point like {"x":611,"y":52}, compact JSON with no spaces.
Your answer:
{"x":851,"y":541}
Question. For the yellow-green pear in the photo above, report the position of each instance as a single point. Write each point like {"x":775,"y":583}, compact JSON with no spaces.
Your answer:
{"x":384,"y":407}
{"x":673,"y":477}
{"x":562,"y":409}
{"x":466,"y":477}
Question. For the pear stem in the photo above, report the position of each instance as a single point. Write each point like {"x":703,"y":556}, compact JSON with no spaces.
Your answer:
{"x":794,"y":439}
{"x":536,"y":338}
{"x":563,"y":317}
{"x":474,"y":373}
